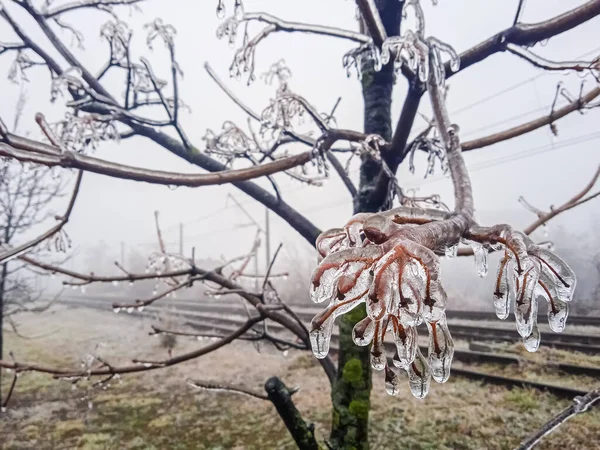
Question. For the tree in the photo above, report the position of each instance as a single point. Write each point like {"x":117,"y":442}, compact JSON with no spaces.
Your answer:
{"x":24,"y":198}
{"x":410,"y":235}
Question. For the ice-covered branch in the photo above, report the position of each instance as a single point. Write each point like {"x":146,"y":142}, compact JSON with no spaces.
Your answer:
{"x":101,"y":5}
{"x":528,"y":34}
{"x":74,"y":160}
{"x":372,"y":19}
{"x":282,"y":25}
{"x":577,"y":200}
{"x":519,"y":130}
{"x":243,"y":60}
{"x":463,"y":192}
{"x":222,"y":388}
{"x":579,"y":406}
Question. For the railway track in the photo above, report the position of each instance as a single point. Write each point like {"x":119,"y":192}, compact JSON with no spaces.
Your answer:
{"x":217,"y":322}
{"x":584,"y":343}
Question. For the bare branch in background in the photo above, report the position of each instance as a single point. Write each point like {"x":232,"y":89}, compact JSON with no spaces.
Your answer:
{"x":580,"y":405}
{"x":570,"y":204}
{"x":577,"y":66}
{"x":528,"y":34}
{"x":222,"y":388}
{"x":9,"y":254}
{"x":576,"y":105}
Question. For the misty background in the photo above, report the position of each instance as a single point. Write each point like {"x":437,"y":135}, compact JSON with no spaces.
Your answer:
{"x":115,"y":218}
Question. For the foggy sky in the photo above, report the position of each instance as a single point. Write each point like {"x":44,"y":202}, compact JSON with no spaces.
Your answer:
{"x":112,"y":211}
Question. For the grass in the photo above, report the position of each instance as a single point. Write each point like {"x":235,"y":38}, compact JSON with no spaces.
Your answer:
{"x":158,"y":410}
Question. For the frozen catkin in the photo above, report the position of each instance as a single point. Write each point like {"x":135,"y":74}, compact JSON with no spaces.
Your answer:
{"x":389,"y":263}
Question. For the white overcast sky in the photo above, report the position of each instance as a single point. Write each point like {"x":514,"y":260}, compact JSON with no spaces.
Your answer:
{"x":548,"y":169}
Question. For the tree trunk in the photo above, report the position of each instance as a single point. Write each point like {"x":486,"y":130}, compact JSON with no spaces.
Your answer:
{"x":2,"y":286}
{"x":352,"y":388}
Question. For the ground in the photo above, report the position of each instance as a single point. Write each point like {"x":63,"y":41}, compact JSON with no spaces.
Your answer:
{"x":159,"y":410}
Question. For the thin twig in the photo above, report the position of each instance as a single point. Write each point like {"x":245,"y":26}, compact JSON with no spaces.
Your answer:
{"x":580,"y":405}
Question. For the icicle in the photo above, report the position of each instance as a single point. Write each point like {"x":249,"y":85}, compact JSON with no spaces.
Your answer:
{"x":532,"y":342}
{"x":419,"y":376}
{"x":526,"y":302}
{"x":221,"y":9}
{"x":433,"y":312}
{"x":392,"y":381}
{"x":238,"y":10}
{"x":502,"y":298}
{"x":451,"y":251}
{"x":557,"y":315}
{"x":481,"y":258}
{"x":117,"y":310}
{"x":558,"y":310}
{"x":320,"y":338}
{"x":441,"y":350}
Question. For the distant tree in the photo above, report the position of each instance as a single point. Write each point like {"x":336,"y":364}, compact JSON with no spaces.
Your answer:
{"x":25,"y":195}
{"x":380,"y":271}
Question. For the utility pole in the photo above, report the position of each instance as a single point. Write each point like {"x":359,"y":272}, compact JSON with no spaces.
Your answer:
{"x":181,"y":238}
{"x":267,"y":239}
{"x":122,"y":254}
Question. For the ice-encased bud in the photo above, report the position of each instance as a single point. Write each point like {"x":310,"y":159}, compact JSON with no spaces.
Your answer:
{"x":363,"y":332}
{"x":502,"y":293}
{"x":406,"y":341}
{"x":481,"y":258}
{"x":320,"y":338}
{"x":526,"y":301}
{"x":419,"y":376}
{"x":441,"y":350}
{"x":392,"y":381}
{"x":532,"y":342}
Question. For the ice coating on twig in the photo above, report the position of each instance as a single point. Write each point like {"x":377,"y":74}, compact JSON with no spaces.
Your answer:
{"x":386,"y":261}
{"x":526,"y":273}
{"x":374,"y":260}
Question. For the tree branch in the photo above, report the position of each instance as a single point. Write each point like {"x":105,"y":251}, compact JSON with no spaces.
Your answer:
{"x":572,"y":203}
{"x":74,"y":160}
{"x":98,"y":4}
{"x":223,"y":388}
{"x":370,"y":14}
{"x":542,"y":63}
{"x":339,"y":168}
{"x":527,"y":34}
{"x":281,"y":397}
{"x":282,"y":25}
{"x":17,"y":251}
{"x":580,"y":405}
{"x":533,"y":124}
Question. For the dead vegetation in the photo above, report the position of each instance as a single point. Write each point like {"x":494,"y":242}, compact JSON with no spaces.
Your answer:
{"x":158,"y":410}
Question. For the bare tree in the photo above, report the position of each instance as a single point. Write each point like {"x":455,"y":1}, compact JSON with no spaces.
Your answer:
{"x":25,"y":194}
{"x":386,"y":261}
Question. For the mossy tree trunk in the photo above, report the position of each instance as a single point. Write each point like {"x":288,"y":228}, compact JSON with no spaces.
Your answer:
{"x":352,"y":389}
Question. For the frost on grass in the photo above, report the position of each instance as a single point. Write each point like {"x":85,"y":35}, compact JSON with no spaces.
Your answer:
{"x":387,"y":261}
